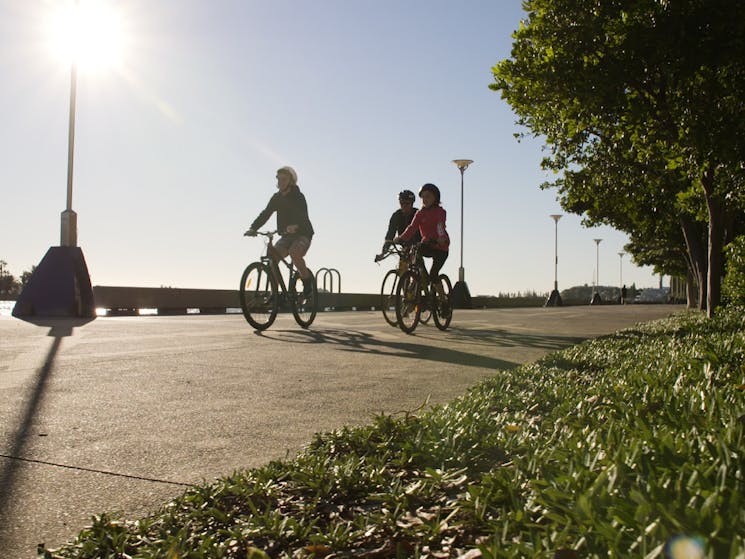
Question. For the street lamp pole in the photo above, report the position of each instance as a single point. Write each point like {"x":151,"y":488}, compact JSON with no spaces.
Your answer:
{"x":461,"y":295}
{"x":69,"y":225}
{"x":596,"y":300}
{"x":620,"y":275}
{"x":60,"y":286}
{"x":554,"y":300}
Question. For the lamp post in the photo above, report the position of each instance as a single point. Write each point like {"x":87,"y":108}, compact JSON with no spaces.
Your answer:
{"x":60,"y":286}
{"x":461,"y":295}
{"x":69,"y":219}
{"x":620,"y":275}
{"x":554,"y":300}
{"x":596,"y":300}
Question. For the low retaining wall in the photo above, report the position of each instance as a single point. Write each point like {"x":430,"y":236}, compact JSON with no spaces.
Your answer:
{"x":168,"y":300}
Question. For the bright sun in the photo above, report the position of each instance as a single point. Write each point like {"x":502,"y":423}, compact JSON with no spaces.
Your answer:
{"x":89,"y":33}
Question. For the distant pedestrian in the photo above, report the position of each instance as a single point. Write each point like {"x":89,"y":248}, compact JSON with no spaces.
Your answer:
{"x":292,"y":223}
{"x":623,"y":295}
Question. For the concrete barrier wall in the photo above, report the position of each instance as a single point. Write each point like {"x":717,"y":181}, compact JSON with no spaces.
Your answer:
{"x":168,"y":300}
{"x":126,"y":300}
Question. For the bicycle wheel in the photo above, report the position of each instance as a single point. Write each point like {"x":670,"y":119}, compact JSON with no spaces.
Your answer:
{"x":442,"y":303}
{"x":407,"y":302}
{"x":303,"y":307}
{"x":388,"y":297}
{"x":258,"y":295}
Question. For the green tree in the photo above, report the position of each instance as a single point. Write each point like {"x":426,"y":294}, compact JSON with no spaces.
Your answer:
{"x":654,"y":83}
{"x":8,"y":284}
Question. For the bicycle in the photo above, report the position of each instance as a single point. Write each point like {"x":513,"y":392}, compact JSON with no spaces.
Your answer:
{"x":390,"y":283}
{"x":260,"y":294}
{"x":415,"y":292}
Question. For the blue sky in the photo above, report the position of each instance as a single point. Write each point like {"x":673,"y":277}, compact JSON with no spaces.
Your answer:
{"x":176,"y":149}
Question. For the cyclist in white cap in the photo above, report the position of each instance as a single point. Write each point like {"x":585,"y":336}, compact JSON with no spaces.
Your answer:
{"x":293,"y":223}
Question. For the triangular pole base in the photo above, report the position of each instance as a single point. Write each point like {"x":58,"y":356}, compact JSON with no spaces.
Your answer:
{"x":59,"y":287}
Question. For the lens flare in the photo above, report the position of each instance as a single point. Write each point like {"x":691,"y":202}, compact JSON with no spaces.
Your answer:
{"x":685,"y":547}
{"x":89,"y":34}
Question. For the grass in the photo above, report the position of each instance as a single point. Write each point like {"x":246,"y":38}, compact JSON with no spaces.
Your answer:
{"x":631,"y":445}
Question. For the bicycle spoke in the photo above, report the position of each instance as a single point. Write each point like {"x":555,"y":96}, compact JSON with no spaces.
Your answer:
{"x":407,"y":302}
{"x":303,"y":305}
{"x":388,"y":297}
{"x":258,"y":296}
{"x":442,"y":302}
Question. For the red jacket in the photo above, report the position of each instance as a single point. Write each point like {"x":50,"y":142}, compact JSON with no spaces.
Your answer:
{"x":430,"y":222}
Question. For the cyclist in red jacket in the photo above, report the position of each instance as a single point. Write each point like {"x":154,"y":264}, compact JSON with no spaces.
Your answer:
{"x":430,"y":223}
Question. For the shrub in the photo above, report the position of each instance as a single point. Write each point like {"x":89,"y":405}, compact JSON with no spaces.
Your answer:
{"x":733,"y":288}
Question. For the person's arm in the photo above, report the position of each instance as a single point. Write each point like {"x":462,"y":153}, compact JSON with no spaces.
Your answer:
{"x":413,"y":227}
{"x":263,"y":216}
{"x":299,"y":222}
{"x":442,"y":234}
{"x":391,"y":233}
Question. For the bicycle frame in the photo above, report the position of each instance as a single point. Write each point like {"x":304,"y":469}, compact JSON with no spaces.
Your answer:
{"x":416,"y":294}
{"x":261,"y":298}
{"x":273,"y":262}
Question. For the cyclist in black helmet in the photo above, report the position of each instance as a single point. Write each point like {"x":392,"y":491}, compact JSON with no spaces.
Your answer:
{"x":400,"y":219}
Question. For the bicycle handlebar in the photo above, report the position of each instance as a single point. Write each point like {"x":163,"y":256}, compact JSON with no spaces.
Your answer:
{"x":269,"y":234}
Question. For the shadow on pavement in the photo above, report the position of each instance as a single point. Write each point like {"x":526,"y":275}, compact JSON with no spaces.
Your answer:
{"x":363,"y":342}
{"x":59,"y":328}
{"x":504,"y":338}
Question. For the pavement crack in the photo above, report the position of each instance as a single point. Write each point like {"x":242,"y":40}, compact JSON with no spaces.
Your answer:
{"x":96,"y":471}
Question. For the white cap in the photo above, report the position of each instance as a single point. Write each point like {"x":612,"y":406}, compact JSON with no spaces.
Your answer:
{"x":290,"y":171}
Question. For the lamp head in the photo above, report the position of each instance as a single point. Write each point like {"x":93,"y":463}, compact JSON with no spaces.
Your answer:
{"x":556,"y":217}
{"x":462,"y":164}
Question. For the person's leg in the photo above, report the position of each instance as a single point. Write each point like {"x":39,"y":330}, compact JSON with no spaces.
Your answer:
{"x":297,"y":251}
{"x":280,"y":249}
{"x":438,"y":261}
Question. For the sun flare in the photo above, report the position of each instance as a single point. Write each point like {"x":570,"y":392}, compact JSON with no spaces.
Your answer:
{"x":89,"y":33}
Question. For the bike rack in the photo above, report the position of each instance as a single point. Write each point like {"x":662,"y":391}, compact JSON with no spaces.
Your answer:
{"x":329,"y":273}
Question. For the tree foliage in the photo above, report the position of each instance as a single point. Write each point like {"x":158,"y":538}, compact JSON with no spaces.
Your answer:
{"x":642,"y":107}
{"x":10,"y":287}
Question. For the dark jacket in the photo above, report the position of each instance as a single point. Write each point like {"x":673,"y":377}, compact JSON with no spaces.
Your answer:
{"x":397,"y":225}
{"x":291,"y":210}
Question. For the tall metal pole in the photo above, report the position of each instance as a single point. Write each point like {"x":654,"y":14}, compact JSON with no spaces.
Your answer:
{"x":556,"y":218}
{"x":461,"y":271}
{"x":554,"y":299}
{"x":596,"y":300}
{"x":461,"y":294}
{"x":71,"y":135}
{"x":61,"y":285}
{"x":69,"y":224}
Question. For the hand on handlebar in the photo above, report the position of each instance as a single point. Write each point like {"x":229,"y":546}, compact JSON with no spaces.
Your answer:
{"x":250,"y":233}
{"x":379,"y":257}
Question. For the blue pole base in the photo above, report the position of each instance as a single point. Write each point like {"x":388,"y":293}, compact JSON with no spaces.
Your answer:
{"x":554,"y":300}
{"x":461,"y":296}
{"x":59,"y":287}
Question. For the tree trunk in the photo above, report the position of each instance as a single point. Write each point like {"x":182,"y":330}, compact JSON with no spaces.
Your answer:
{"x":691,"y":289}
{"x":695,"y":238}
{"x":715,"y":206}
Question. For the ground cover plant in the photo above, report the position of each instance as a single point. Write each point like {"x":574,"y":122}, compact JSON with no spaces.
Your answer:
{"x":631,"y":445}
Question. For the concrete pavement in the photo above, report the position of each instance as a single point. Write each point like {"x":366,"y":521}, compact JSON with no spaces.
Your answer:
{"x":120,"y":414}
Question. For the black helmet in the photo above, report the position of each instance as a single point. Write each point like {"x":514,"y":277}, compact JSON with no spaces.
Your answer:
{"x":433,"y":189}
{"x":406,"y":196}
